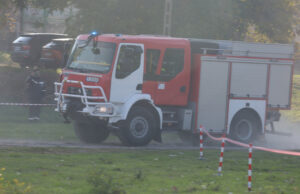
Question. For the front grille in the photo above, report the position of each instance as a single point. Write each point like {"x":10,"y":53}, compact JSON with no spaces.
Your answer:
{"x":78,"y":91}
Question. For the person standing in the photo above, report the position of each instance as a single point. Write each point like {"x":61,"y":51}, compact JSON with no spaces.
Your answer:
{"x":35,"y":93}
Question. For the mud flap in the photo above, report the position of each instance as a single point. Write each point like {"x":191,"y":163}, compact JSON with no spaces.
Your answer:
{"x":157,"y":136}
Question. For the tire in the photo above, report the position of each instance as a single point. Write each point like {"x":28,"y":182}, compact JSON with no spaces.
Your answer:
{"x":244,"y":127}
{"x":139,"y":127}
{"x":189,"y":138}
{"x":91,"y":132}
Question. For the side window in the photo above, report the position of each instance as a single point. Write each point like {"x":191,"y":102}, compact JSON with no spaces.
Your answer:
{"x":152,"y":58}
{"x":172,"y":63}
{"x":129,"y":60}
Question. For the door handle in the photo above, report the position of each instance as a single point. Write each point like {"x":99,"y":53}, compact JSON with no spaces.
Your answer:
{"x":139,"y":87}
{"x":183,"y":89}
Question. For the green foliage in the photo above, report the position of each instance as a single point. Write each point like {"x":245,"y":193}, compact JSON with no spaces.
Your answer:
{"x":273,"y":18}
{"x":103,"y":183}
{"x":212,"y":19}
{"x":117,"y":16}
{"x":227,"y":19}
{"x":13,"y":186}
{"x":5,"y":59}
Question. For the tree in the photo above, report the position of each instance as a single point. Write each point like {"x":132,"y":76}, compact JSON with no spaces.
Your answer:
{"x":214,"y":19}
{"x":117,"y":16}
{"x":272,"y":18}
{"x":20,"y":5}
{"x":211,"y":19}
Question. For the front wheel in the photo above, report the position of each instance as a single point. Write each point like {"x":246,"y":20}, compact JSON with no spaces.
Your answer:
{"x":90,"y":131}
{"x":244,"y":127}
{"x":139,"y":127}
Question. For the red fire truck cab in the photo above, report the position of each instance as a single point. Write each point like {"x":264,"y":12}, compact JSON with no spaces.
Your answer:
{"x":138,"y":85}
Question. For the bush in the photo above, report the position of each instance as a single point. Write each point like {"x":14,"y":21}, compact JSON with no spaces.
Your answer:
{"x":14,"y":186}
{"x":103,"y":183}
{"x":5,"y":59}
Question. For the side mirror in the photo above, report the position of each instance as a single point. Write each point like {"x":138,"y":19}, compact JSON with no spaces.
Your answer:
{"x":96,"y":51}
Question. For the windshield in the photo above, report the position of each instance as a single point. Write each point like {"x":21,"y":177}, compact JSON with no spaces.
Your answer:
{"x":86,"y":60}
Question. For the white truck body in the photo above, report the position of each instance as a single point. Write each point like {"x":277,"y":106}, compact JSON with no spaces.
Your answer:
{"x":247,"y":75}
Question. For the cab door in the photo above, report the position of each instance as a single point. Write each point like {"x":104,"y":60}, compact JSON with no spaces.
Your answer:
{"x":127,"y":77}
{"x":173,"y":78}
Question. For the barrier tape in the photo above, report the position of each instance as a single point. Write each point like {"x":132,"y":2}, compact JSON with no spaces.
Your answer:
{"x":291,"y":153}
{"x":25,"y":104}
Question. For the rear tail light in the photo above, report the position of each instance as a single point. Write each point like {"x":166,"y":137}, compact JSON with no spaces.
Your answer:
{"x":46,"y":53}
{"x":25,"y":47}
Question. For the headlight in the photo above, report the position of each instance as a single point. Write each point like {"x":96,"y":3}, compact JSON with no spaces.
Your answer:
{"x":104,"y":109}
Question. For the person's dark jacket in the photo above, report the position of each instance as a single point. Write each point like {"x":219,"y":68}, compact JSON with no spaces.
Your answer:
{"x":35,"y":88}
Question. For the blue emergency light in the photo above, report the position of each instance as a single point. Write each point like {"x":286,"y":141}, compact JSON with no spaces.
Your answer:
{"x":94,"y":33}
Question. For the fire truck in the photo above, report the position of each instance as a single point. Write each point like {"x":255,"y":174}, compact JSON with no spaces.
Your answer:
{"x":138,"y":85}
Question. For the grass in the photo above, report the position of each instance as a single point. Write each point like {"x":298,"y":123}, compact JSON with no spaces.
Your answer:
{"x":67,"y":170}
{"x":14,"y":125}
{"x":57,"y":170}
{"x":294,"y":113}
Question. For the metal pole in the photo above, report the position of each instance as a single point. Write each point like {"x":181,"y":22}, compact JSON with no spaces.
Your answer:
{"x":221,"y":156}
{"x":250,"y":168}
{"x":21,"y":30}
{"x":168,"y":17}
{"x":201,"y":143}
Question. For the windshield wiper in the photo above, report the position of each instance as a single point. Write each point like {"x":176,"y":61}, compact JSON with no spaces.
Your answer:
{"x":77,"y":69}
{"x":84,"y":70}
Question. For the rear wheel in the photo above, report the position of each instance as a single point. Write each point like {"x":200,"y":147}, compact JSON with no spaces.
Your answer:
{"x":90,"y":131}
{"x":245,"y":127}
{"x":139,"y":127}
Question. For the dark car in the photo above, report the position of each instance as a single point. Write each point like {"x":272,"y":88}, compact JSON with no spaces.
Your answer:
{"x":55,"y":54}
{"x":26,"y":49}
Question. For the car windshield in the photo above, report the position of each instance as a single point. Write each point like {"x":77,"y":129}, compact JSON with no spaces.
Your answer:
{"x":92,"y":59}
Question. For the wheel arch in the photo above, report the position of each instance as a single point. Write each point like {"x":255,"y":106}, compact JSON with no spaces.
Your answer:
{"x":141,"y":100}
{"x":148,"y":105}
{"x":247,"y":111}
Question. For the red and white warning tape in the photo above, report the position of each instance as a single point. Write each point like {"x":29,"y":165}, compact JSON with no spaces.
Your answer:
{"x":223,"y":139}
{"x":292,"y":153}
{"x":25,"y":104}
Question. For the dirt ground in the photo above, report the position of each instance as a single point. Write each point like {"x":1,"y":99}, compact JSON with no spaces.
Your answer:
{"x":287,"y":139}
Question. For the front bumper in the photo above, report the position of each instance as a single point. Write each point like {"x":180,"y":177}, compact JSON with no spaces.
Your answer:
{"x":20,"y":57}
{"x":89,"y":103}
